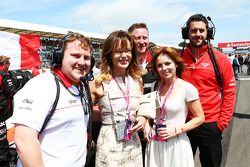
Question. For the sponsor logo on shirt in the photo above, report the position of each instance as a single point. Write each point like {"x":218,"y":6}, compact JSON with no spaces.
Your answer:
{"x":2,"y":131}
{"x":25,"y":108}
{"x":147,"y":85}
{"x":2,"y":124}
{"x":73,"y":101}
{"x":205,"y":64}
{"x":28,"y":101}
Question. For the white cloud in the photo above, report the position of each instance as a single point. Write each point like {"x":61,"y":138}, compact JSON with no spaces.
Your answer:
{"x":164,"y":18}
{"x":107,"y":16}
{"x":120,"y":14}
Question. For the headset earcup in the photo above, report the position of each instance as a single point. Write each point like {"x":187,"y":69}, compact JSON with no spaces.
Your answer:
{"x":184,"y":32}
{"x":58,"y":51}
{"x":210,"y":33}
{"x":57,"y":57}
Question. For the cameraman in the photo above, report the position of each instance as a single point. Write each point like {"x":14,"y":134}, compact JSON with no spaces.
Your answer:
{"x":4,"y":109}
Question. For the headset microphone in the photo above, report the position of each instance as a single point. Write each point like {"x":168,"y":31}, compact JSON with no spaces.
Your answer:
{"x":84,"y":79}
{"x":86,"y":95}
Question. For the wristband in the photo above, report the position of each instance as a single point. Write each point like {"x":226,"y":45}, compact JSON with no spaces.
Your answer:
{"x":175,"y":131}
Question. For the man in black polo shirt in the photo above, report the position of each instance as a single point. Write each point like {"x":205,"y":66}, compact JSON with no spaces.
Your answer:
{"x":141,"y":36}
{"x":4,"y":145}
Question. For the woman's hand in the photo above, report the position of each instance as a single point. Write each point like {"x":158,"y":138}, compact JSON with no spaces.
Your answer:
{"x":139,"y":124}
{"x":147,"y":131}
{"x":169,"y":132}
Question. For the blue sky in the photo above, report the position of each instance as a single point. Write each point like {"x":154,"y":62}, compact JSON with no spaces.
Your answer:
{"x":163,"y":17}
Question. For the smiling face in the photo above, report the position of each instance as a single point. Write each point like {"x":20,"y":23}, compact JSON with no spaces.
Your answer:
{"x":76,"y":61}
{"x":197,"y":33}
{"x":121,"y":57}
{"x":141,"y":39}
{"x":166,"y":67}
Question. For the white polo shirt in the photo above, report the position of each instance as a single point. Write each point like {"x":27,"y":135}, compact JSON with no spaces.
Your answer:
{"x":63,"y":141}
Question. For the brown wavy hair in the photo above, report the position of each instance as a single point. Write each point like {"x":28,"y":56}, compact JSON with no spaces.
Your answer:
{"x":108,"y":49}
{"x":4,"y":60}
{"x":173,"y":54}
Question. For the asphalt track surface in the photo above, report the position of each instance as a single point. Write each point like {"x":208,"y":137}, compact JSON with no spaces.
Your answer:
{"x":236,"y":138}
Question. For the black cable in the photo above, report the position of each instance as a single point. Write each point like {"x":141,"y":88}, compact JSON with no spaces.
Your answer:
{"x":85,"y":82}
{"x":183,"y":47}
{"x":53,"y":107}
{"x":216,"y":67}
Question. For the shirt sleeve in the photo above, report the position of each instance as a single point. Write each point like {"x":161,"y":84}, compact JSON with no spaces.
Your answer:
{"x":191,"y":92}
{"x":149,"y":103}
{"x":228,"y":93}
{"x":33,"y":102}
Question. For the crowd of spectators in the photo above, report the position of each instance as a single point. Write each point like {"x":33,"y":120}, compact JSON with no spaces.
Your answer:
{"x":238,"y":61}
{"x":49,"y":44}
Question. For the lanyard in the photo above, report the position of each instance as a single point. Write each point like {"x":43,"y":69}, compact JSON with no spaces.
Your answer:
{"x":162,"y":111}
{"x":126,"y":94}
{"x":82,"y":94}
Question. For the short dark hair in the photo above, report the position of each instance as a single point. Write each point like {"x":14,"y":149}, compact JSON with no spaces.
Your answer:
{"x":197,"y":17}
{"x":136,"y":26}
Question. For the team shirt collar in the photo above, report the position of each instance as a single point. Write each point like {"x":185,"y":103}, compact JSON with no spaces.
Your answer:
{"x":201,"y":50}
{"x":66,"y":81}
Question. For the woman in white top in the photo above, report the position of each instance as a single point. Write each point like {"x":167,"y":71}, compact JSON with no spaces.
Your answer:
{"x":169,"y":145}
{"x":118,"y":90}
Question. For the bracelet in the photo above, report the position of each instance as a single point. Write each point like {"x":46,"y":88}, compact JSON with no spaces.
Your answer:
{"x":175,"y":131}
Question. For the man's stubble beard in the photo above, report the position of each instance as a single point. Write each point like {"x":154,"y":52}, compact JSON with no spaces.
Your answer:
{"x":194,"y":45}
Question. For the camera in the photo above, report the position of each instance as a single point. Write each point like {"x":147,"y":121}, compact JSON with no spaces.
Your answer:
{"x":156,"y":136}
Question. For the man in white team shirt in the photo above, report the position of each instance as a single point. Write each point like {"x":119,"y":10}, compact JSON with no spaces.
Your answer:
{"x":63,"y":141}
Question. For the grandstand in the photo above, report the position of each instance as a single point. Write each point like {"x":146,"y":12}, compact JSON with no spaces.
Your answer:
{"x":49,"y":35}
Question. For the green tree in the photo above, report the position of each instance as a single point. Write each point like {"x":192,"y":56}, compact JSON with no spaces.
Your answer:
{"x":182,"y":44}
